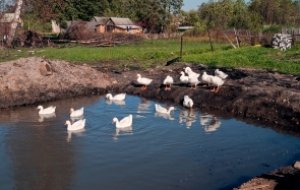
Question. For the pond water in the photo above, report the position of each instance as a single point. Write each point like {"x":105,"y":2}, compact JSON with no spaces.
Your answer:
{"x":188,"y":150}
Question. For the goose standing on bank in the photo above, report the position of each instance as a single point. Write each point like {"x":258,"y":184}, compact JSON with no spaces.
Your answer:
{"x":192,"y":77}
{"x":221,"y":74}
{"x":46,"y":111}
{"x":160,"y":109}
{"x":78,"y":125}
{"x":117,"y":97}
{"x":183,"y":78}
{"x":191,"y":73}
{"x":124,"y":123}
{"x":143,"y":81}
{"x":168,"y":82}
{"x":188,"y":102}
{"x":216,"y":81}
{"x":76,"y":113}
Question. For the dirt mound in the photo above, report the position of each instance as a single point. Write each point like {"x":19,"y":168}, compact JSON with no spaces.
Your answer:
{"x":32,"y":80}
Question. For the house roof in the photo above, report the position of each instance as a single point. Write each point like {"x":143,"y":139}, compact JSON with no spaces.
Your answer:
{"x":121,"y":21}
{"x":101,"y":20}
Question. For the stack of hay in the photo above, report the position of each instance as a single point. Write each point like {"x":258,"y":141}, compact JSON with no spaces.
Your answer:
{"x":282,"y":41}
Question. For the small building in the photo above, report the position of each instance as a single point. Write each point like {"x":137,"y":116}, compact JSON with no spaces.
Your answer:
{"x":117,"y":25}
{"x":101,"y":21}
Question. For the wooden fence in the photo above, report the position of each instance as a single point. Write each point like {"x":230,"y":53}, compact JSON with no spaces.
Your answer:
{"x":295,"y":32}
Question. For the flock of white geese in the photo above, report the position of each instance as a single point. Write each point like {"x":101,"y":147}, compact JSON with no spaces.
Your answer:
{"x":188,"y":76}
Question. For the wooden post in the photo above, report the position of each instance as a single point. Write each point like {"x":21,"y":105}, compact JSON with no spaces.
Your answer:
{"x":210,"y":41}
{"x":181,"y":43}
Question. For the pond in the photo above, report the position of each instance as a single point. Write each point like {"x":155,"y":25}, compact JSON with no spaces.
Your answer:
{"x":188,"y":150}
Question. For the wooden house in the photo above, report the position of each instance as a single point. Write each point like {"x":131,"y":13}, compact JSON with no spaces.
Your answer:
{"x":118,"y":25}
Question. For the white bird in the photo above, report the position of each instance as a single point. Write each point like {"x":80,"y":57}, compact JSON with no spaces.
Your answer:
{"x":168,"y":82}
{"x":220,"y":74}
{"x":183,"y":78}
{"x":47,"y":111}
{"x":78,"y":125}
{"x":217,"y":82}
{"x":125,"y":122}
{"x":76,"y":113}
{"x":117,"y":97}
{"x":206,"y":78}
{"x":143,"y":81}
{"x":191,"y":73}
{"x":193,"y":80}
{"x":160,"y":109}
{"x":188,"y":102}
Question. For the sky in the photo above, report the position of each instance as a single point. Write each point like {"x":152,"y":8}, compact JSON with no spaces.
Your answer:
{"x":192,"y":4}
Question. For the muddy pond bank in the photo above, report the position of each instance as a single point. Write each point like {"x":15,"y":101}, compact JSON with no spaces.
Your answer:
{"x":254,"y":96}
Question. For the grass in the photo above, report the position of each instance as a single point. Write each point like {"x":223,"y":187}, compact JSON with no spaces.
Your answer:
{"x":251,"y":57}
{"x":157,"y":52}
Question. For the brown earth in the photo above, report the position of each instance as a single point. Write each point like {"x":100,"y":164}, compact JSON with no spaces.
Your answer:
{"x":33,"y":80}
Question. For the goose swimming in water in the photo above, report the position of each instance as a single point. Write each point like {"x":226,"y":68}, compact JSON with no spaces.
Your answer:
{"x":46,"y":111}
{"x":125,"y":122}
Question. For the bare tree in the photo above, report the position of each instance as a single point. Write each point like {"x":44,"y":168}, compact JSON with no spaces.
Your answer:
{"x":14,"y":23}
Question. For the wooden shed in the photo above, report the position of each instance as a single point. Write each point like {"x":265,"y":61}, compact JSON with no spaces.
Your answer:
{"x":119,"y":25}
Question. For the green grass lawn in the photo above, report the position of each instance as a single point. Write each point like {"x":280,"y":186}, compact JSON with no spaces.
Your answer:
{"x":157,"y":52}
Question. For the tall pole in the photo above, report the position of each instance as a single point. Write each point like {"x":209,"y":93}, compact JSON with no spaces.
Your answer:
{"x":181,"y":43}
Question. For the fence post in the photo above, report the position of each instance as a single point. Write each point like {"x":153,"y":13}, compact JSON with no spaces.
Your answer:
{"x":181,"y":42}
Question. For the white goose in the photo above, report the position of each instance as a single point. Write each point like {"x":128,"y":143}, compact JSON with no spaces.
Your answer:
{"x":193,"y":80}
{"x":183,"y":78}
{"x":78,"y":125}
{"x":168,"y":82}
{"x":221,"y":74}
{"x":125,"y":122}
{"x":143,"y":81}
{"x":191,"y":73}
{"x":206,"y":78}
{"x":217,"y":82}
{"x":47,"y":111}
{"x":76,"y":113}
{"x":188,"y":102}
{"x":117,"y":97}
{"x":160,"y":109}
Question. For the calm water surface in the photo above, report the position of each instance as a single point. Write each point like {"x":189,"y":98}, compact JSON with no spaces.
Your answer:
{"x":187,"y":150}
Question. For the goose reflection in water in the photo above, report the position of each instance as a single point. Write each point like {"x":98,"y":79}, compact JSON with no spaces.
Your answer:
{"x":116,"y":102}
{"x":122,"y":131}
{"x":164,"y":115}
{"x":143,"y":106}
{"x":77,"y":133}
{"x":188,"y":117}
{"x":46,"y":116}
{"x":210,"y":123}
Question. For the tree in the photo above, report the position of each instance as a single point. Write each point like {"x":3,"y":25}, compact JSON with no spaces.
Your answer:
{"x":14,"y":23}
